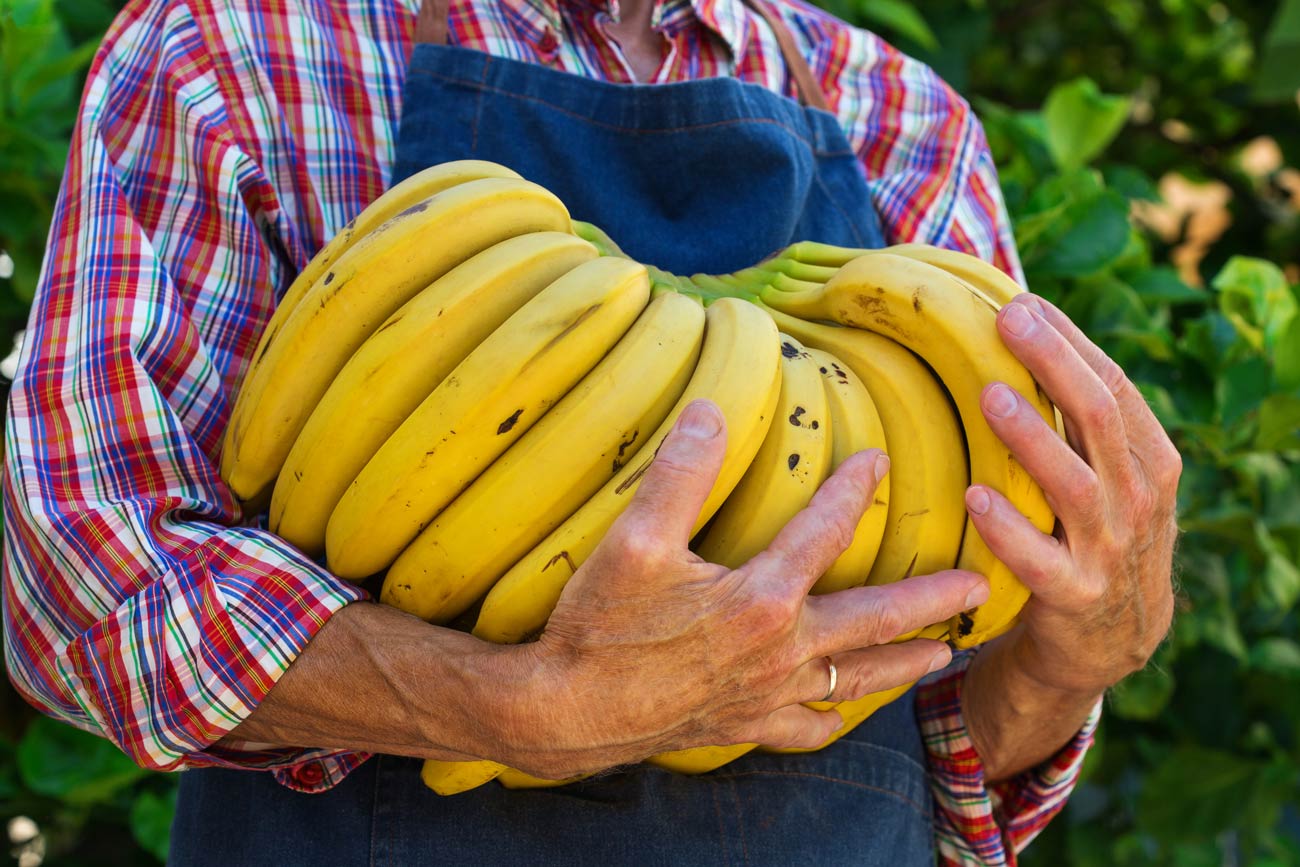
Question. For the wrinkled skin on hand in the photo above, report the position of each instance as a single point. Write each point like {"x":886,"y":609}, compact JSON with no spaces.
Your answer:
{"x":652,"y":649}
{"x":1102,"y":590}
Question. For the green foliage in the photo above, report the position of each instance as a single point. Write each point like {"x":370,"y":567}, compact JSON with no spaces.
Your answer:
{"x":1087,"y":107}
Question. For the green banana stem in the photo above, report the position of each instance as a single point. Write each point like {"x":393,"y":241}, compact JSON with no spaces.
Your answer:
{"x":786,"y":283}
{"x":825,"y":255}
{"x":801,"y":270}
{"x":595,"y":236}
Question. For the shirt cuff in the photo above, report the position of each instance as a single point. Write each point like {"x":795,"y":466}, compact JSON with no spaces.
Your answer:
{"x":975,"y":823}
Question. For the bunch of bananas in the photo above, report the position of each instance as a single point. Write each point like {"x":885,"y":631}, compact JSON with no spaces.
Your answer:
{"x":464,"y":386}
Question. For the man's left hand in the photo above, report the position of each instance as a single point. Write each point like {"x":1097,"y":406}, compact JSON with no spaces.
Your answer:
{"x":1102,"y":591}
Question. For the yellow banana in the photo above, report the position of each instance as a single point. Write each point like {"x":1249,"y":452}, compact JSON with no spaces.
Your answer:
{"x":392,"y":202}
{"x":400,"y":364}
{"x":987,"y":279}
{"x":483,"y":406}
{"x":794,"y":460}
{"x":554,"y":468}
{"x":739,"y":369}
{"x":373,"y":278}
{"x":452,"y":778}
{"x":855,"y":425}
{"x":927,"y":452}
{"x":512,"y":779}
{"x":936,"y":316}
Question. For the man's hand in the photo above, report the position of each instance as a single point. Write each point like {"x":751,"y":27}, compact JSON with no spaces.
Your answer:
{"x":1102,"y":593}
{"x":652,"y":648}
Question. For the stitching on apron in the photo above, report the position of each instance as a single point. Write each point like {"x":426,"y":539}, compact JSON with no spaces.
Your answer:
{"x":740,"y":819}
{"x":478,"y":108}
{"x":374,"y":813}
{"x":722,"y":826}
{"x":853,"y":226}
{"x":561,"y":110}
{"x":920,"y":810}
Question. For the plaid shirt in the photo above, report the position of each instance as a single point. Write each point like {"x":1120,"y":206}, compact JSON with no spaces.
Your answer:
{"x":219,"y":144}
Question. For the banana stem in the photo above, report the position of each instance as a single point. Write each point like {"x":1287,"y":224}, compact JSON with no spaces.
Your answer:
{"x":786,"y":283}
{"x":595,"y":236}
{"x":825,"y":255}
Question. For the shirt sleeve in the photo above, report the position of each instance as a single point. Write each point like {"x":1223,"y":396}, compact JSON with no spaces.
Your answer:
{"x":978,"y":824}
{"x":136,"y":606}
{"x":924,"y":153}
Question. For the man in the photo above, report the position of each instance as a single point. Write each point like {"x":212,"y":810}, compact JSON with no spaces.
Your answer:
{"x":222,"y":142}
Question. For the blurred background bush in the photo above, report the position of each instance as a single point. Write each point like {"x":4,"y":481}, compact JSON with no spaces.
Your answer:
{"x":1150,"y":155}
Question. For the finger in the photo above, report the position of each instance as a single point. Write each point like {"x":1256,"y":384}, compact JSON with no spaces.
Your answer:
{"x":1091,"y":410}
{"x":864,"y":671}
{"x":811,"y":541}
{"x":867,"y":616}
{"x":678,"y":480}
{"x":1043,"y":562}
{"x":1147,"y":436}
{"x":1071,"y":486}
{"x":794,"y":727}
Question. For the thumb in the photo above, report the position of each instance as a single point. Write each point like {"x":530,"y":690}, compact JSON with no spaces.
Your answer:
{"x":678,"y":480}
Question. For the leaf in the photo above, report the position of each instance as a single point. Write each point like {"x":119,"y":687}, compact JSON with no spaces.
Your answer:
{"x":1130,"y":182}
{"x":1276,"y":655}
{"x":58,"y":760}
{"x":151,"y":821}
{"x":1082,"y":121}
{"x":1162,"y":285}
{"x":899,"y":17}
{"x":1286,"y":357}
{"x":1195,"y":793}
{"x":1278,"y":76}
{"x":1279,"y":423}
{"x":1241,"y":388}
{"x":1142,"y":695}
{"x":1091,"y":234}
{"x":1255,"y":296}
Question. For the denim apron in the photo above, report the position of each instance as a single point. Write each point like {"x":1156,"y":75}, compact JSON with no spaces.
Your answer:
{"x":709,"y":175}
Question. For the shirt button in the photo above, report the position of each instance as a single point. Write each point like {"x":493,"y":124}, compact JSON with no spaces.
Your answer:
{"x":548,"y":44}
{"x":311,"y":774}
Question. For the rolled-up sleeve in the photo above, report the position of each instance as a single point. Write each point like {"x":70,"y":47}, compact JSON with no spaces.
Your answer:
{"x":137,"y":604}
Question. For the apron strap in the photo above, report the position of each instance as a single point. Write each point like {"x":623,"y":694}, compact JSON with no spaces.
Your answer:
{"x":431,"y":27}
{"x":810,"y":91}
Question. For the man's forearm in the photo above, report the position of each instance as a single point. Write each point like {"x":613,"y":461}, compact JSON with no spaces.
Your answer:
{"x":375,"y":679}
{"x":1014,"y":722}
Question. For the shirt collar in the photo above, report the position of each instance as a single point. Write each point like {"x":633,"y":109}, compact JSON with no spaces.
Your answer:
{"x":726,"y":18}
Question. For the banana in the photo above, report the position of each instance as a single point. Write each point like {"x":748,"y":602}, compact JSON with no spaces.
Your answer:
{"x":392,"y":202}
{"x":988,"y":280}
{"x":376,"y":275}
{"x":554,"y":468}
{"x":927,"y":451}
{"x":452,"y":778}
{"x":856,"y":425}
{"x":793,"y":461}
{"x":483,"y":406}
{"x":936,"y":316}
{"x":739,"y":369}
{"x":400,"y":364}
{"x":513,"y":779}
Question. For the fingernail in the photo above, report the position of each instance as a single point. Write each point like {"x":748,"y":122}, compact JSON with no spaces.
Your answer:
{"x":1000,"y":400}
{"x":978,"y":500}
{"x":882,"y":467}
{"x":941,"y":660}
{"x":978,"y":595}
{"x":700,"y":420}
{"x":1019,"y":321}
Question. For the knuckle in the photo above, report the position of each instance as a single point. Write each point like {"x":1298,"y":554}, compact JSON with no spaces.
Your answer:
{"x":1083,"y":490}
{"x":637,"y":547}
{"x":1101,"y":412}
{"x":886,"y":621}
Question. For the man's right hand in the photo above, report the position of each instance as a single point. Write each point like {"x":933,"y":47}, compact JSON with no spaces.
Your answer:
{"x":653,"y":649}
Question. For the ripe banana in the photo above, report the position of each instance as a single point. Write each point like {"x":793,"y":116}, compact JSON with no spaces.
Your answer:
{"x":400,"y":364}
{"x":927,"y":452}
{"x":984,"y":278}
{"x":554,"y":468}
{"x":739,"y":369}
{"x":856,"y":425}
{"x":483,"y":406}
{"x":936,"y":316}
{"x":452,"y":778}
{"x":378,"y":274}
{"x":793,"y":461}
{"x":394,"y":200}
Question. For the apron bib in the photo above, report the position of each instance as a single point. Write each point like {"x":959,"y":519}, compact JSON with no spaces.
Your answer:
{"x":710,"y":175}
